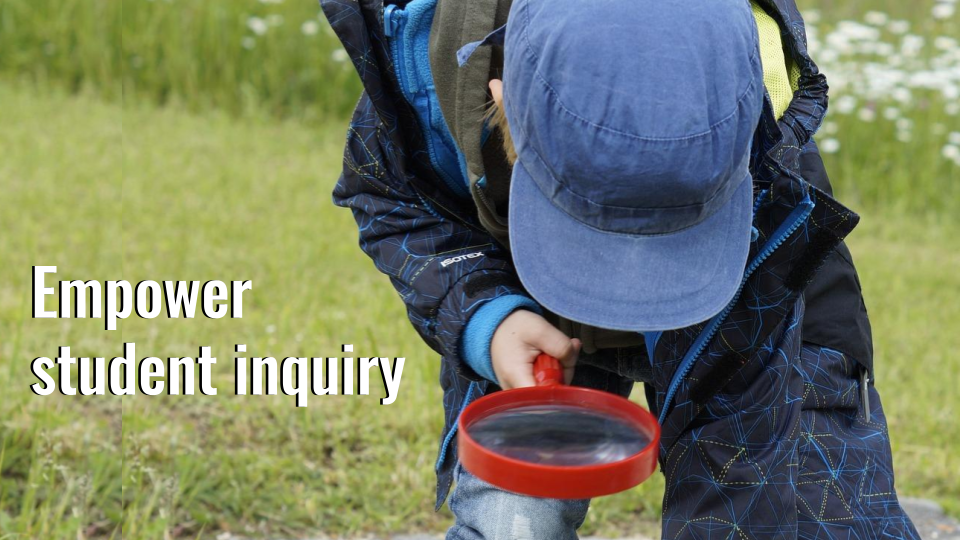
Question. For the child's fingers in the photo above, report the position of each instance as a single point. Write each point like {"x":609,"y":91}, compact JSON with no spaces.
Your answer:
{"x":558,"y":345}
{"x":519,"y":339}
{"x":569,"y":369}
{"x":518,"y":375}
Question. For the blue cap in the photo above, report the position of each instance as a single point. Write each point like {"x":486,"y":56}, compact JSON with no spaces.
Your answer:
{"x":631,"y":200}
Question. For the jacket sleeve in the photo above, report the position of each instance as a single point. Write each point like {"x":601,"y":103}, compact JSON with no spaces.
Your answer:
{"x":442,"y":263}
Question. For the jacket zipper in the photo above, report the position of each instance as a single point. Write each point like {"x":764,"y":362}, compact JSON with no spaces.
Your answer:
{"x":468,"y":397}
{"x":796,"y":218}
{"x":395,"y":21}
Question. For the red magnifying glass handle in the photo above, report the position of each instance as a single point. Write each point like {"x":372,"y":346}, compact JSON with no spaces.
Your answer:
{"x":547,"y":371}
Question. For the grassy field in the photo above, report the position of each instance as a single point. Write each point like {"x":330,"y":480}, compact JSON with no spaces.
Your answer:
{"x":133,"y":193}
{"x":239,"y":56}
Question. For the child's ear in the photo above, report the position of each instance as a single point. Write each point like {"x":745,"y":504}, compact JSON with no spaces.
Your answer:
{"x":496,"y":90}
{"x":498,"y":119}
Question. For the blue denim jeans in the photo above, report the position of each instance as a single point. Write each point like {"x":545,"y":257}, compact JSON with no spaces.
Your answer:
{"x":841,"y":481}
{"x":485,"y":512}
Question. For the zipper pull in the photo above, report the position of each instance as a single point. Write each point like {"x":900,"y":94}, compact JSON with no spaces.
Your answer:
{"x":865,"y":392}
{"x":391,"y":20}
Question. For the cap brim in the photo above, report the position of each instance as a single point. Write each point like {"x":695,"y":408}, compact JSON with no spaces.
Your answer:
{"x":628,"y":282}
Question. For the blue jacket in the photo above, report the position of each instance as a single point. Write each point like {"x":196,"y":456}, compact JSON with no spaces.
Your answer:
{"x":410,"y":205}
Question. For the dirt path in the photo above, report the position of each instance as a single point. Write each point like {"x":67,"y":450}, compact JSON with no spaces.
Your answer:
{"x":927,"y":515}
{"x":930,"y":520}
{"x":433,"y":537}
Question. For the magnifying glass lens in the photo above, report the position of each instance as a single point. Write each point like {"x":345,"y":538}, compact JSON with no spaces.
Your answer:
{"x":558,"y":435}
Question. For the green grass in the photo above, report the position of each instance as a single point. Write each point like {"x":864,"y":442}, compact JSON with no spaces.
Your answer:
{"x":174,"y":195}
{"x":874,"y":169}
{"x":234,"y":55}
{"x":247,"y":57}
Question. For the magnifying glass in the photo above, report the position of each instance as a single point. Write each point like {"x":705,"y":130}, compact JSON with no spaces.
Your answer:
{"x":558,"y":441}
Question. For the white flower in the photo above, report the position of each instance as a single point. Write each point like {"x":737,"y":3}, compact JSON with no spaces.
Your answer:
{"x":876,"y":18}
{"x":899,"y":27}
{"x":951,"y":152}
{"x":846,"y":104}
{"x":954,"y":137}
{"x":883,"y":49}
{"x":839,"y":43}
{"x":945,"y":43}
{"x":867,"y":115}
{"x":829,"y":146}
{"x":828,"y":56}
{"x":830,"y":128}
{"x":891,"y":113}
{"x":310,"y":28}
{"x":271,"y":328}
{"x":911,"y":44}
{"x":812,"y":16}
{"x":952,"y":108}
{"x":902,"y":95}
{"x":857,"y":31}
{"x":904,"y":124}
{"x":248,"y":43}
{"x":274,"y":19}
{"x":943,"y":11}
{"x":340,"y":55}
{"x":257,"y":25}
{"x":904,"y":136}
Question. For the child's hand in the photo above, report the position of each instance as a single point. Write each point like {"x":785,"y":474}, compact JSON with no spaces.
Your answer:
{"x":519,"y":339}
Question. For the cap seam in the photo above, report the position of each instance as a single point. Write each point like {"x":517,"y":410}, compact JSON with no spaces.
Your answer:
{"x":562,"y":311}
{"x":752,"y":59}
{"x":644,"y":138}
{"x":754,"y":54}
{"x":733,"y":191}
{"x":590,"y":202}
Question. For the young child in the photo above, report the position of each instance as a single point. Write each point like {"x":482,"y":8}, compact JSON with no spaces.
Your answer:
{"x":662,"y":227}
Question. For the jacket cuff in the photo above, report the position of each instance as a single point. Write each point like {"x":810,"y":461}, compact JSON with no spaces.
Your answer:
{"x":461,"y":303}
{"x":475,"y":342}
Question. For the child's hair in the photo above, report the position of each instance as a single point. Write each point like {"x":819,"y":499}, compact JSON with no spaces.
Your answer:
{"x":498,"y":120}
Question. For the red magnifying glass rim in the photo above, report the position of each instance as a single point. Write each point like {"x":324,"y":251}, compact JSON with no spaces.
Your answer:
{"x":552,"y":481}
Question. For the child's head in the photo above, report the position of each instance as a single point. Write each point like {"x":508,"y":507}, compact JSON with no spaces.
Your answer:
{"x":631,"y":199}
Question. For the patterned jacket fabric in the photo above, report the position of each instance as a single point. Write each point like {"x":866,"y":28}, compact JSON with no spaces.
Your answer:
{"x":705,"y":376}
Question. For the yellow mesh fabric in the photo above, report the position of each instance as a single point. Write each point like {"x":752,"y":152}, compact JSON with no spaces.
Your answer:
{"x":780,"y":82}
{"x":794,"y":76}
